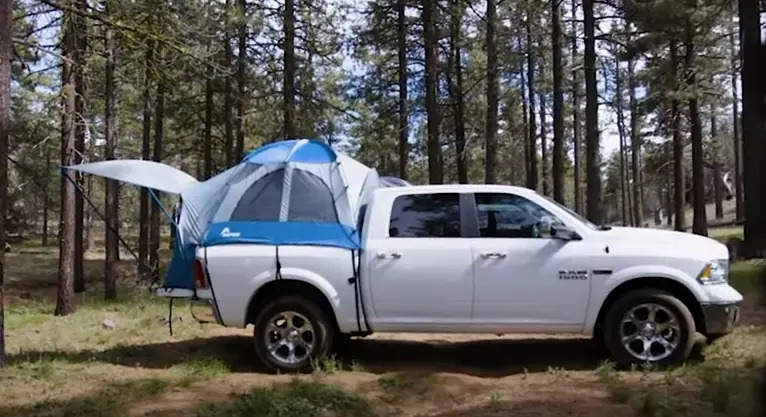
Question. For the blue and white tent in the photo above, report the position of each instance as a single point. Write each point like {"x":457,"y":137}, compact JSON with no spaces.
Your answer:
{"x":293,"y":192}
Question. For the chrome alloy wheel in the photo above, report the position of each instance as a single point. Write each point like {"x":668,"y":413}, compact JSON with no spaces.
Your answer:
{"x":290,"y":337}
{"x":650,"y":332}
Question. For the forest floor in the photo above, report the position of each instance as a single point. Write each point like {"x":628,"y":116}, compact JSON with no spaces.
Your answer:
{"x":77,"y":366}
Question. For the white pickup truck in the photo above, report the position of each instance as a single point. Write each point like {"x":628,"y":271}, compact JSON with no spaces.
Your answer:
{"x":474,"y":259}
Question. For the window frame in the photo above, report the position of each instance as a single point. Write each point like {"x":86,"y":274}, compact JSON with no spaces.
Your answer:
{"x":466,"y":209}
{"x":474,"y":217}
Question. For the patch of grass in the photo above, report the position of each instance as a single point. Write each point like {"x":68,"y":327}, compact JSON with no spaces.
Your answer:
{"x":107,"y":402}
{"x":296,"y":399}
{"x":326,"y":365}
{"x":748,"y":277}
{"x":201,"y":368}
{"x":619,"y":392}
{"x":725,"y":233}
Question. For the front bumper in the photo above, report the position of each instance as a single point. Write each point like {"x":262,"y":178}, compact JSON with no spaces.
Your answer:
{"x":204,"y":311}
{"x":721,"y":318}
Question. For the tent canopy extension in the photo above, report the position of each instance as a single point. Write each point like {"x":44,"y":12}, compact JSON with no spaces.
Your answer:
{"x":293,"y":192}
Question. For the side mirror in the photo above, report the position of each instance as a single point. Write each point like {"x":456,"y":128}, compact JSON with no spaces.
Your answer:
{"x":564,"y":233}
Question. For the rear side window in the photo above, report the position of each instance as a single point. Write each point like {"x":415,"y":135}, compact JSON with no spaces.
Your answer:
{"x":425,"y":215}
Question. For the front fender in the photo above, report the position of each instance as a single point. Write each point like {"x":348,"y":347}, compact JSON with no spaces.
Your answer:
{"x":599,"y":293}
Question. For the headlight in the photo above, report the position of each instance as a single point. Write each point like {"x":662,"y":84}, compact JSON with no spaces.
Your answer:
{"x":714,"y":272}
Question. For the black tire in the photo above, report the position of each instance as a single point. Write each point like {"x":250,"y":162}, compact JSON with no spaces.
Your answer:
{"x":621,"y":307}
{"x":322,"y":340}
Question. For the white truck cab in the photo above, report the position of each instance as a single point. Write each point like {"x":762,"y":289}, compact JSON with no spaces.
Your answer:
{"x":474,"y":259}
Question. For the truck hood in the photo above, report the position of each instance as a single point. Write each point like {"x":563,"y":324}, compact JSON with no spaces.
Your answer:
{"x":695,"y":245}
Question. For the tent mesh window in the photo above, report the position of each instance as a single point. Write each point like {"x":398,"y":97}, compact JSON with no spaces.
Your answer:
{"x":310,"y":199}
{"x":262,"y":201}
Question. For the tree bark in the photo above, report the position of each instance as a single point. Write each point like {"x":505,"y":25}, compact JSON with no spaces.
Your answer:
{"x":592,"y":141}
{"x":435,"y":169}
{"x":207,"y":146}
{"x":524,"y":109}
{"x":717,"y":180}
{"x":576,"y":128}
{"x":493,"y":87}
{"x":457,"y":91}
{"x":558,"y":105}
{"x":154,"y":237}
{"x":532,"y":178}
{"x":289,"y":74}
{"x":112,"y":196}
{"x":6,"y":53}
{"x":699,"y":223}
{"x":239,"y":150}
{"x":544,"y":136}
{"x":81,"y":45}
{"x":679,"y":177}
{"x":146,"y":143}
{"x":735,"y":60}
{"x":46,"y":196}
{"x":753,"y":132}
{"x":635,"y":147}
{"x":228,"y":99}
{"x":65,"y":296}
{"x":401,"y":44}
{"x":627,"y":219}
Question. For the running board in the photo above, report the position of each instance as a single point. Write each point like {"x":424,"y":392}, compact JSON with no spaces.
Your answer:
{"x":174,"y":293}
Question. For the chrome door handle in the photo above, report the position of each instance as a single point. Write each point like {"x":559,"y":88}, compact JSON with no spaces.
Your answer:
{"x":393,"y":255}
{"x":487,"y":255}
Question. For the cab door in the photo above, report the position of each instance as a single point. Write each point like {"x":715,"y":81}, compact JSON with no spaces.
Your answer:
{"x":523,"y":279}
{"x":421,"y":273}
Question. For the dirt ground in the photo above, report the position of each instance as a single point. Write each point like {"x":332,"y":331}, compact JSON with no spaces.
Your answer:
{"x":77,"y":366}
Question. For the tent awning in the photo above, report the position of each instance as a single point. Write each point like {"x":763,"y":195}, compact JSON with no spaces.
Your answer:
{"x":147,"y":174}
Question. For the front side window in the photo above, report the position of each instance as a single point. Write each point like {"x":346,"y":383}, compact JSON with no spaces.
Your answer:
{"x":425,"y":215}
{"x":510,"y":216}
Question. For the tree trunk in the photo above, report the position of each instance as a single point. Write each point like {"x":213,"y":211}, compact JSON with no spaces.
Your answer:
{"x":699,"y":223}
{"x":146,"y":143}
{"x":241,"y":80}
{"x":635,"y":147}
{"x":753,"y":114}
{"x":735,"y":60}
{"x":524,"y":109}
{"x":592,"y":142}
{"x":493,"y":87}
{"x":576,"y":128}
{"x":154,"y":238}
{"x":435,"y":169}
{"x":65,"y":296}
{"x":46,"y":196}
{"x":544,"y":137}
{"x":669,"y":185}
{"x":289,"y":75}
{"x":81,"y":45}
{"x":457,"y":91}
{"x":208,"y":140}
{"x":228,"y":102}
{"x":717,"y":180}
{"x":6,"y":53}
{"x":112,"y":197}
{"x":679,"y":177}
{"x":401,"y":35}
{"x":532,"y":178}
{"x":627,"y":219}
{"x":558,"y":105}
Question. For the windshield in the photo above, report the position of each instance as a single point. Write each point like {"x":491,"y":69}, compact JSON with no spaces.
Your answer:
{"x":574,"y":214}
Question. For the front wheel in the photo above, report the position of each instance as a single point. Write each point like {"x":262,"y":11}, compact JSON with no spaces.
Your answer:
{"x":649,"y":327}
{"x":290,"y":333}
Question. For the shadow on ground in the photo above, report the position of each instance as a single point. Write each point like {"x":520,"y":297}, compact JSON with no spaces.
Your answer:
{"x":477,"y":358}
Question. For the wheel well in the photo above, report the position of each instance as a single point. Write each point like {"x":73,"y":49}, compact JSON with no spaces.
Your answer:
{"x":674,"y":288}
{"x":278,"y":288}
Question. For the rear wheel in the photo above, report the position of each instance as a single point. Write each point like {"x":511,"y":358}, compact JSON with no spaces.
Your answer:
{"x":290,"y":333}
{"x":649,"y":327}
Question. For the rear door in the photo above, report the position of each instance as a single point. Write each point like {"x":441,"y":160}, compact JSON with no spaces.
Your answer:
{"x":421,"y":273}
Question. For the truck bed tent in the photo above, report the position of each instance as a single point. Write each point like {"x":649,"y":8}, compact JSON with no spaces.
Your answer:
{"x":293,"y":192}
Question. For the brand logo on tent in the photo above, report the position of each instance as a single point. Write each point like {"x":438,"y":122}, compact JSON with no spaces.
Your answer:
{"x":227,"y":233}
